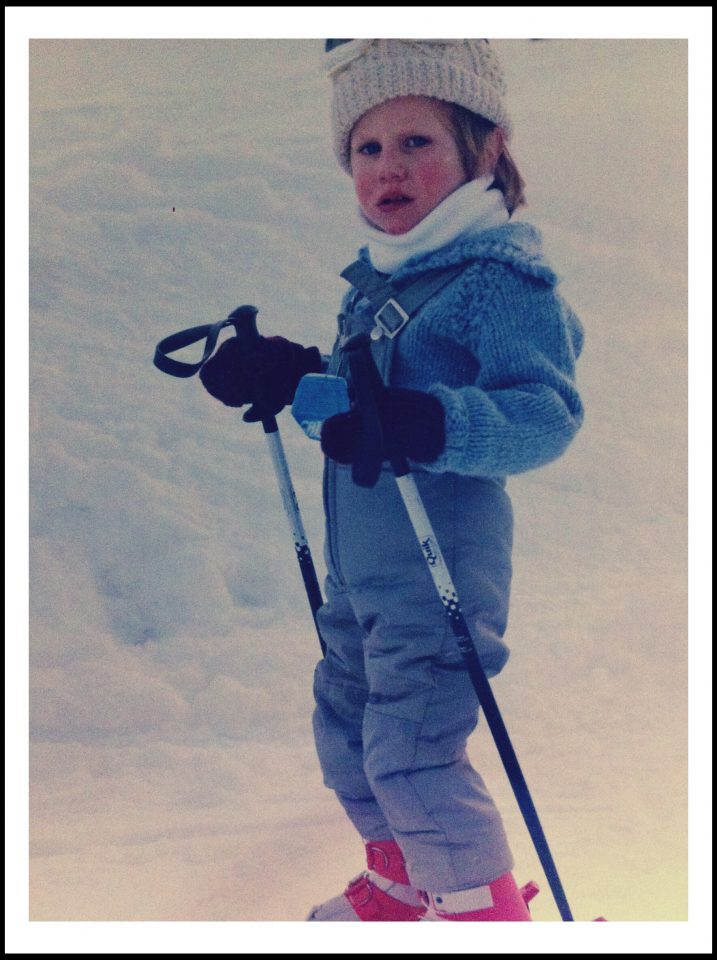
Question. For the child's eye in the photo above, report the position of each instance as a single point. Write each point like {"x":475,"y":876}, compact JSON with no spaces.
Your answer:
{"x":372,"y":147}
{"x":369,"y":149}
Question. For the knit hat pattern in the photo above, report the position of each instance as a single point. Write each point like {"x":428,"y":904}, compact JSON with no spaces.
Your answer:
{"x":365,"y":73}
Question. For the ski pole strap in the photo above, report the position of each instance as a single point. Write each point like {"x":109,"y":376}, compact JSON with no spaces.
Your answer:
{"x":243,"y":319}
{"x":185,"y":338}
{"x":395,"y":308}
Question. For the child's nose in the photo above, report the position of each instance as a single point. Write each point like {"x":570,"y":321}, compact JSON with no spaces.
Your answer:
{"x":392,"y":166}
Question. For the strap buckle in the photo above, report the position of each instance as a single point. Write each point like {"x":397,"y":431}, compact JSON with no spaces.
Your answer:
{"x":390,"y":320}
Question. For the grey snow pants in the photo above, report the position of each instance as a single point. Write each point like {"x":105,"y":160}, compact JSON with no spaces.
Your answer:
{"x":394,"y":703}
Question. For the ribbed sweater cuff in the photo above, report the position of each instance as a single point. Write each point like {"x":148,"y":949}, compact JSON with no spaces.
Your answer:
{"x":457,"y":431}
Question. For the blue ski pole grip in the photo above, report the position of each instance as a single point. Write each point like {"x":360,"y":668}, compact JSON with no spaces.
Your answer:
{"x":318,"y":397}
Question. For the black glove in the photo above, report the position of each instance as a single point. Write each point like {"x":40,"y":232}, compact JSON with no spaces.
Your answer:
{"x":265,"y":374}
{"x":412,"y":422}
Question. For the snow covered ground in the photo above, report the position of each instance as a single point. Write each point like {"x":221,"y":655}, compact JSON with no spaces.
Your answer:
{"x":172,"y":771}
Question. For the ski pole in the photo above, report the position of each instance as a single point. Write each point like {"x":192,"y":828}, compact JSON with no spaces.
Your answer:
{"x":243,"y":319}
{"x":367,"y":382}
{"x":245,"y":325}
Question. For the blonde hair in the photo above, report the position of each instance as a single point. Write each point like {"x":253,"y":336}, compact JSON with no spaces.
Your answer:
{"x":471,"y":132}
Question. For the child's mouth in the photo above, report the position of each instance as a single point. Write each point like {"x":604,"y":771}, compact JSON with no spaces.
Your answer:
{"x":388,"y":204}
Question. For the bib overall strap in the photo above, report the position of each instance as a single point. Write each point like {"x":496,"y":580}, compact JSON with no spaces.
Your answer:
{"x":393,"y":308}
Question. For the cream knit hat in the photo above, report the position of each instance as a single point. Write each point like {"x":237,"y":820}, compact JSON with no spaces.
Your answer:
{"x":365,"y":73}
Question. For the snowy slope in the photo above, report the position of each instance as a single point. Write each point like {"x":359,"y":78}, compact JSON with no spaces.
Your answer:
{"x":172,"y":767}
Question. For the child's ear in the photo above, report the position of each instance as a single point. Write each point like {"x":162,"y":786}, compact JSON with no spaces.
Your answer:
{"x":493,"y":147}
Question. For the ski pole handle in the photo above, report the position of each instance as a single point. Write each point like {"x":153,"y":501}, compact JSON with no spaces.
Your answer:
{"x":243,"y":319}
{"x":367,"y":384}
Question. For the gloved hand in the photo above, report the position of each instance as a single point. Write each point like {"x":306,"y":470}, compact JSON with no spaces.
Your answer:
{"x":265,"y":374}
{"x":413,"y":425}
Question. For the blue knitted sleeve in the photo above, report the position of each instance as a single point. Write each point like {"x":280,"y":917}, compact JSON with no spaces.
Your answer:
{"x":523,"y":409}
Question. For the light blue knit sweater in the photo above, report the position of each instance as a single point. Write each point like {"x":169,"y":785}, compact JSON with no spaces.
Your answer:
{"x":497,"y":347}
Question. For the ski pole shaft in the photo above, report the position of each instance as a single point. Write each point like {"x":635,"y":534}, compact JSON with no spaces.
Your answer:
{"x":244,"y":321}
{"x":449,"y":598}
{"x":301,"y":544}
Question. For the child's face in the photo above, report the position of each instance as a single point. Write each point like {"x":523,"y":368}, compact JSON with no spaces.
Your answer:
{"x":404,"y":161}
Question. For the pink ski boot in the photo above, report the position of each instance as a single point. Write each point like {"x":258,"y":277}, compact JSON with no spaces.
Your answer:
{"x":382,"y":892}
{"x":500,"y":900}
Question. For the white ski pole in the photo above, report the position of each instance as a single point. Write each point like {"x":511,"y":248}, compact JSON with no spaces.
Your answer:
{"x":243,"y":319}
{"x":367,"y":382}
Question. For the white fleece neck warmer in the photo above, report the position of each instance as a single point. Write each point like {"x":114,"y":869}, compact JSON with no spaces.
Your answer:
{"x":469,"y":209}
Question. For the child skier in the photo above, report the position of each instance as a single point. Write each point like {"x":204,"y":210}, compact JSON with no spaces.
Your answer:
{"x":479,"y":385}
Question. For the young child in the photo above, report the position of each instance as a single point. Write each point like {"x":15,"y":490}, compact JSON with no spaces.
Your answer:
{"x":480,"y":385}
